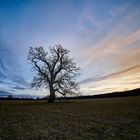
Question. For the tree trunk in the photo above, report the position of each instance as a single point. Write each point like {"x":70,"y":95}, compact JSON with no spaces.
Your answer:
{"x":52,"y":95}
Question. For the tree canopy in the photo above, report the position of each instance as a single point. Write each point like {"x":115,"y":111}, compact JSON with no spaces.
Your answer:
{"x":54,"y":70}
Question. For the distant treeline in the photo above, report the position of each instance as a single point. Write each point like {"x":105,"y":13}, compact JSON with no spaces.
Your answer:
{"x":13,"y":98}
{"x":135,"y":92}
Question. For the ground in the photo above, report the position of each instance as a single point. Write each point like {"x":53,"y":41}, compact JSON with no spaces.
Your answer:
{"x":95,"y":119}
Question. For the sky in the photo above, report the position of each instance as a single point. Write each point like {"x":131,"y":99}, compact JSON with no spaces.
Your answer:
{"x":102,"y":35}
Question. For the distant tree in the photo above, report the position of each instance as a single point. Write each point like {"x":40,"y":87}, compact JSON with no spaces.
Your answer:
{"x":37,"y":98}
{"x":55,"y":70}
{"x":9,"y":97}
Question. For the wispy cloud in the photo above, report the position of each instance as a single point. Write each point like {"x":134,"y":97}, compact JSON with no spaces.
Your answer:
{"x":87,"y":21}
{"x":4,"y":93}
{"x":116,"y":42}
{"x":10,"y":73}
{"x":114,"y":59}
{"x":119,"y":81}
{"x":127,"y":72}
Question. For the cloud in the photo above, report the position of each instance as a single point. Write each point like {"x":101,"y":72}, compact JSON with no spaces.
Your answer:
{"x":88,"y":21}
{"x":21,"y":81}
{"x":4,"y":93}
{"x":126,"y":79}
{"x":111,"y":45}
{"x":116,"y":44}
{"x":127,"y":72}
{"x":4,"y":55}
{"x":11,"y":77}
{"x":20,"y":88}
{"x":8,"y":61}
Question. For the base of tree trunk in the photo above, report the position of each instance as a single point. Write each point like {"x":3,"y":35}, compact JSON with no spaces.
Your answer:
{"x":51,"y":100}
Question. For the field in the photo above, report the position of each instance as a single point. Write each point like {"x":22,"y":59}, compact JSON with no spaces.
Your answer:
{"x":95,"y":119}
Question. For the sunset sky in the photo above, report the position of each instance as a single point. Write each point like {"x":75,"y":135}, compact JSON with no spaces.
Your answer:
{"x":102,"y":35}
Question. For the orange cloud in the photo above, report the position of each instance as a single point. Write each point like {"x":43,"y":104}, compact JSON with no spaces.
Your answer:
{"x":119,"y":81}
{"x":116,"y":55}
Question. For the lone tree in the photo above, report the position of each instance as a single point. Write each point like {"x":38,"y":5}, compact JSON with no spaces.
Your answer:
{"x":54,"y":70}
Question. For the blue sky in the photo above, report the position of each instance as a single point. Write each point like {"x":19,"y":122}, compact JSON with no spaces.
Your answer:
{"x":102,"y":35}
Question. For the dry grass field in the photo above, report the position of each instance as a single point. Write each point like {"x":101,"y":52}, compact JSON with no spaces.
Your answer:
{"x":95,"y":119}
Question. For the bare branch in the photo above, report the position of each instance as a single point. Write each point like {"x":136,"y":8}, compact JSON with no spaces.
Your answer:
{"x":56,"y":70}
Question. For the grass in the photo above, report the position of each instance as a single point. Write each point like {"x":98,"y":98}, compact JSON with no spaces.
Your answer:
{"x":95,"y":119}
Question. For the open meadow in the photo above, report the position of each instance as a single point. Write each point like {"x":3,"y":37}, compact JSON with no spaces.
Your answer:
{"x":95,"y":119}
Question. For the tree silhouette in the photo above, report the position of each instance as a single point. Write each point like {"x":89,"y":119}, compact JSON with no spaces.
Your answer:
{"x":55,"y":70}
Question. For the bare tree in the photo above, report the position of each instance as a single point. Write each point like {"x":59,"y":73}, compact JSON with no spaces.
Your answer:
{"x":56,"y":70}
